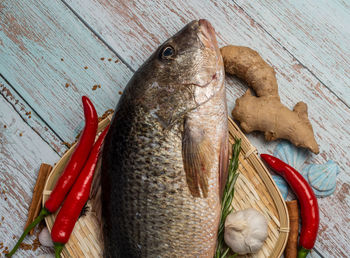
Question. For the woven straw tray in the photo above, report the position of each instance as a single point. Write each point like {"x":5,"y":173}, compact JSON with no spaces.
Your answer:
{"x":254,"y":188}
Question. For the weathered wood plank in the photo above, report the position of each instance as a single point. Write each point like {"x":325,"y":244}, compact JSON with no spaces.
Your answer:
{"x":314,"y":254}
{"x":135,"y":28}
{"x":22,"y":151}
{"x":316,"y":32}
{"x":31,"y":117}
{"x":34,"y":36}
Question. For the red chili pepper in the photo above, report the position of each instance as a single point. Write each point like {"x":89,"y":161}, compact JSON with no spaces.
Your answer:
{"x":76,"y":199}
{"x":71,"y":171}
{"x":308,"y":203}
{"x":77,"y":159}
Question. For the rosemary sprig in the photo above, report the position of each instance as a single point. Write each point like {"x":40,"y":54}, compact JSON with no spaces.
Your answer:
{"x":221,"y":248}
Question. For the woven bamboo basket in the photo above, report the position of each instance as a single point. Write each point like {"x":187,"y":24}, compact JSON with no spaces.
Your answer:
{"x":254,"y":188}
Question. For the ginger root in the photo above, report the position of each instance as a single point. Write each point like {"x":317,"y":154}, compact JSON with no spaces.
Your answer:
{"x":265,"y":112}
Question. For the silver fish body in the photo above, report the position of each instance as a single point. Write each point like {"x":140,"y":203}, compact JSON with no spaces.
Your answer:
{"x":165,"y":157}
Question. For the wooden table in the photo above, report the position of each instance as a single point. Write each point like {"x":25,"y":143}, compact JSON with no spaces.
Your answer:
{"x":51,"y":54}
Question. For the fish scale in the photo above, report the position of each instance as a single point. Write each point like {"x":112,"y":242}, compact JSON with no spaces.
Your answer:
{"x":172,"y":113}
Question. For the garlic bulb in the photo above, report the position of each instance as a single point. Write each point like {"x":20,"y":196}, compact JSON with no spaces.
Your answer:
{"x":245,"y":231}
{"x":45,"y":238}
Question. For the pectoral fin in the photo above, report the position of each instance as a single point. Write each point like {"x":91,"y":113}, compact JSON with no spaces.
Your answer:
{"x":196,"y":151}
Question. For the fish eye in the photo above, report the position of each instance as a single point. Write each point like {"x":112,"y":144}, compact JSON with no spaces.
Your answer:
{"x":167,"y":52}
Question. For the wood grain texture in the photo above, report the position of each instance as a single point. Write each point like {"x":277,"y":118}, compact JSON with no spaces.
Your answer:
{"x":31,"y":117}
{"x":314,"y":254}
{"x":135,"y":28}
{"x":34,"y":36}
{"x":317,"y":33}
{"x":21,"y":152}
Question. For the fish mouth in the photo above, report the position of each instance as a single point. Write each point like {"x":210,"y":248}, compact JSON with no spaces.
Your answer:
{"x":207,"y":35}
{"x":213,"y":78}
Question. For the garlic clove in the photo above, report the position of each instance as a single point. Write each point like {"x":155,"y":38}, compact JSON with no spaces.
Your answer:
{"x":45,"y":238}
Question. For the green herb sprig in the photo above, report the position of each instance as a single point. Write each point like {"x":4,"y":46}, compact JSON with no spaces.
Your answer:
{"x":221,"y":248}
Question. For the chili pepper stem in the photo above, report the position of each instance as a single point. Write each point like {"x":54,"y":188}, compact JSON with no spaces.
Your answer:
{"x":303,"y":252}
{"x":43,"y":213}
{"x":58,"y":249}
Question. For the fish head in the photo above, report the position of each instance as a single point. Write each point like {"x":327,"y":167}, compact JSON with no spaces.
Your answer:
{"x":191,"y":59}
{"x":183,"y":73}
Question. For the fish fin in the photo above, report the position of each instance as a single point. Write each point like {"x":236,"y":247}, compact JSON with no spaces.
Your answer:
{"x":196,"y":151}
{"x":223,"y":163}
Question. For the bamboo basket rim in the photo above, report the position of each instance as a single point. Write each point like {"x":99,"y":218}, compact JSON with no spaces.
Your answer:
{"x":248,"y":155}
{"x":251,"y":154}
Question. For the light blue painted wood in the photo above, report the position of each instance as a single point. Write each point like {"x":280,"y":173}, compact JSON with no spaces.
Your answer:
{"x":20,"y":159}
{"x":31,"y":117}
{"x":314,"y":254}
{"x":34,"y":36}
{"x":317,"y":33}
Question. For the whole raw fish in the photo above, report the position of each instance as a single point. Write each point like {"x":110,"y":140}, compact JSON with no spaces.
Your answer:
{"x":165,"y":157}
